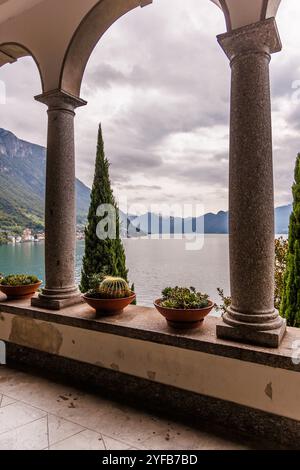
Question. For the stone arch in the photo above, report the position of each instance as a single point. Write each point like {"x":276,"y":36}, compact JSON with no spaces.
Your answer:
{"x":12,"y":51}
{"x":91,"y":29}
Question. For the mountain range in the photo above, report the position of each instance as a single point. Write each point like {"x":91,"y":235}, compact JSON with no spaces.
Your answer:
{"x":209,"y":223}
{"x":22,"y":188}
{"x":22,"y":185}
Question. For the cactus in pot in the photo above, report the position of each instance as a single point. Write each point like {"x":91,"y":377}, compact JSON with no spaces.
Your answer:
{"x":114,"y":288}
{"x":109,"y":296}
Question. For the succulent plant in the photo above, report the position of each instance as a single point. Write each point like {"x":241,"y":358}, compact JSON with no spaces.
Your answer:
{"x":15,"y":280}
{"x":226,"y":301}
{"x":183,"y":298}
{"x":114,"y":288}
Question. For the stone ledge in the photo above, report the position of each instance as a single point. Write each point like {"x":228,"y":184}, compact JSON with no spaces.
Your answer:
{"x":146,"y":324}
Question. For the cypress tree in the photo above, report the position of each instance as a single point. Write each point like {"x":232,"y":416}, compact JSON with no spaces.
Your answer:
{"x":102,"y":256}
{"x":290,"y":307}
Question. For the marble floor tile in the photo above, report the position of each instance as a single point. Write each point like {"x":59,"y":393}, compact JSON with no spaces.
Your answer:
{"x":113,"y":444}
{"x":6,"y":401}
{"x":128,"y":424}
{"x":18,"y":414}
{"x":85,"y":440}
{"x":180,"y":437}
{"x":32,"y":436}
{"x":36,"y":413}
{"x":59,"y":429}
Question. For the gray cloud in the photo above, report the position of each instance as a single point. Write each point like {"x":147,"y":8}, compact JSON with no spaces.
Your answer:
{"x":283,"y":77}
{"x":221,"y":157}
{"x":138,"y":187}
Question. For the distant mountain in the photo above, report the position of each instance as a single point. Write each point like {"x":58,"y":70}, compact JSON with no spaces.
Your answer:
{"x":216,"y":223}
{"x":22,"y":183}
{"x":155,"y":224}
{"x":22,"y":188}
{"x":209,"y":223}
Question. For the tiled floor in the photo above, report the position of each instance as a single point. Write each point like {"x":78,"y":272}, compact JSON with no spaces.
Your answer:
{"x":36,"y":413}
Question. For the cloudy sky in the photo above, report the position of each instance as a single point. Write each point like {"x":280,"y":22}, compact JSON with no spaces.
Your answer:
{"x":160,"y":84}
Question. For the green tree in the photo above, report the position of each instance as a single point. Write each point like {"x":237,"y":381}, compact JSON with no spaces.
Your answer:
{"x":3,"y":238}
{"x":102,"y":256}
{"x":281,"y":254}
{"x":290,"y":307}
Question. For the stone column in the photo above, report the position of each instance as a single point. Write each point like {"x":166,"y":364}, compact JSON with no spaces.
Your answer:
{"x":251,"y":317}
{"x":60,"y":213}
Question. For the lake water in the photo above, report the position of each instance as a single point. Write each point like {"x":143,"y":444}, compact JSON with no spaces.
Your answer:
{"x":153,"y":264}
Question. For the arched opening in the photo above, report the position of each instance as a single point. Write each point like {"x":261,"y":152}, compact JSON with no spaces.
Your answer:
{"x":11,"y":52}
{"x":87,"y":35}
{"x":22,"y":161}
{"x":21,"y":81}
{"x":165,"y":114}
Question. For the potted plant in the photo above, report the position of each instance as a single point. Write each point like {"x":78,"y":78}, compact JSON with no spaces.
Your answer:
{"x":110,"y":296}
{"x":184,"y":308}
{"x":19,"y":286}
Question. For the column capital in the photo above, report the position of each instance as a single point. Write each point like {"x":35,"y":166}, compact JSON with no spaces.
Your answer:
{"x":60,"y":100}
{"x":260,"y":37}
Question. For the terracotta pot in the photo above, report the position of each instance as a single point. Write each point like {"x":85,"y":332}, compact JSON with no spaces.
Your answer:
{"x":109,"y":306}
{"x":184,"y":319}
{"x":20,"y":292}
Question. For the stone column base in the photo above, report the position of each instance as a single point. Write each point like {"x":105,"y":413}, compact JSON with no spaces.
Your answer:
{"x":55,"y":303}
{"x":269,"y":339}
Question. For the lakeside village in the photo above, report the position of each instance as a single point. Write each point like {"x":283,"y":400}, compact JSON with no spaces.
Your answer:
{"x":29,"y":236}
